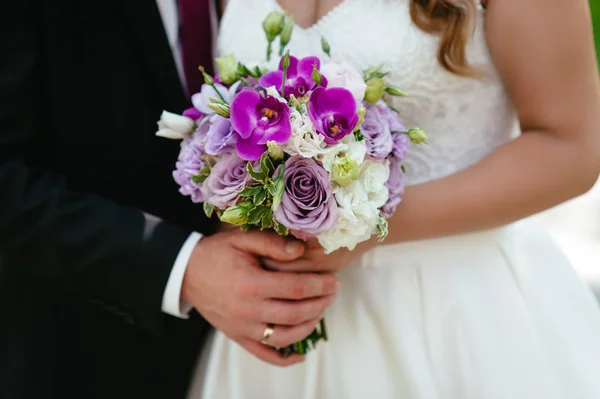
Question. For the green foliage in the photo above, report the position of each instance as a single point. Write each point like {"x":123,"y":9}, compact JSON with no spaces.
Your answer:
{"x":595,"y":5}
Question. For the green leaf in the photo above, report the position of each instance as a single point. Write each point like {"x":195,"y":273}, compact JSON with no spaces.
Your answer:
{"x":255,"y":215}
{"x":403,"y":168}
{"x":266,"y":165}
{"x":251,"y":190}
{"x":272,"y":188}
{"x":382,"y":228}
{"x":281,"y":229}
{"x":201,"y":176}
{"x":279,"y":189}
{"x":267,"y":220}
{"x":358,"y":136}
{"x":258,"y":176}
{"x":245,"y":227}
{"x":208,"y":209}
{"x":260,"y":197}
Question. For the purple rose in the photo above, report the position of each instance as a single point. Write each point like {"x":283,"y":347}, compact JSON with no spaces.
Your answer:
{"x":188,"y":165}
{"x":333,"y":113}
{"x":298,"y":79}
{"x":308,"y":206}
{"x":258,"y":120}
{"x":402,"y":146}
{"x":227,"y":178}
{"x":220,"y":136}
{"x":376,"y":130}
{"x":395,"y":185}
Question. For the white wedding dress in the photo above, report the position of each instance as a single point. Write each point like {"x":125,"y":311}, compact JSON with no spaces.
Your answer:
{"x":497,"y":314}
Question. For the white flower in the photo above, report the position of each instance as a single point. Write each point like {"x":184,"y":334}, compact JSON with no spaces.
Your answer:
{"x":348,"y":147}
{"x":173,"y":126}
{"x":373,"y":177}
{"x":349,"y":231}
{"x":342,"y":74}
{"x":272,"y":91}
{"x":304,"y":141}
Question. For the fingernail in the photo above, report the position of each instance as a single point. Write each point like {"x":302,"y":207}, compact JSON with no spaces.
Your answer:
{"x":292,"y":247}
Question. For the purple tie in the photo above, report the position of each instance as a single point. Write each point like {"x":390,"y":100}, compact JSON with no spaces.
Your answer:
{"x":195,"y":40}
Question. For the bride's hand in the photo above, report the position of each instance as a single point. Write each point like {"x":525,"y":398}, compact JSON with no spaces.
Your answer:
{"x":315,"y":259}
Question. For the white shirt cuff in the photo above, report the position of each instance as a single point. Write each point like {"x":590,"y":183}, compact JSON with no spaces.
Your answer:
{"x":172,"y":303}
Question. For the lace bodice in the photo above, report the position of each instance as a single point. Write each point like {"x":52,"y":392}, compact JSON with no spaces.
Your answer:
{"x":464,"y":118}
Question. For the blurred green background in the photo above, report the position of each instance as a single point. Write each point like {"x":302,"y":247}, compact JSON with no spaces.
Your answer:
{"x":595,"y":4}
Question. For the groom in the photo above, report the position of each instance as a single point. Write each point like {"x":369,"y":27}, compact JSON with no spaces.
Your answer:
{"x":100,"y":257}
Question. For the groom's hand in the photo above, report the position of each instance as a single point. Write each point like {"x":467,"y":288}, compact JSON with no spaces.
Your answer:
{"x":226,"y":283}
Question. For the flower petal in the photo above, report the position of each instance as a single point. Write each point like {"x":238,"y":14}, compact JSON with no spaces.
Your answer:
{"x":274,"y":78}
{"x":305,"y":67}
{"x":339,"y":100}
{"x":279,"y":133}
{"x":249,"y":150}
{"x":243,"y":112}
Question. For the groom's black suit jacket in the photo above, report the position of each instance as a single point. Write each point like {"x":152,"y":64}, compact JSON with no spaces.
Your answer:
{"x":82,"y":84}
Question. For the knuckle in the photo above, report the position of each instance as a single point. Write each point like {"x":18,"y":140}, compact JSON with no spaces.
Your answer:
{"x":241,"y":312}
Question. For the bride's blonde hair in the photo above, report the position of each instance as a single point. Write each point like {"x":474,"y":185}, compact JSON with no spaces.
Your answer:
{"x":453,"y":21}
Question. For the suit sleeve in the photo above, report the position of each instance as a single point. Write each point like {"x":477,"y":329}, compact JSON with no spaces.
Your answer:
{"x":77,"y":241}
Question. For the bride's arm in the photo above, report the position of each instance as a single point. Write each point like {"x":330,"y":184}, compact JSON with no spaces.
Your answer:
{"x":543,"y":49}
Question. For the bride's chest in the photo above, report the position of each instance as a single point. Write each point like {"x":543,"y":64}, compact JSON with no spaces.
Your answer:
{"x":367,"y":32}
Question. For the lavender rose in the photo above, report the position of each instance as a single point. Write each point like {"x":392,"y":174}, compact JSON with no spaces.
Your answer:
{"x":376,"y":130}
{"x":189,"y":165}
{"x":395,"y":185}
{"x":227,"y":178}
{"x":308,"y":206}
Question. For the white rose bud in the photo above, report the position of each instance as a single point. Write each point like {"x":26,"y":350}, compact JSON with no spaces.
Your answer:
{"x":173,"y":126}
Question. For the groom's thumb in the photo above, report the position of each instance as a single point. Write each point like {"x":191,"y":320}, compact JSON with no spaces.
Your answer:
{"x":269,"y":245}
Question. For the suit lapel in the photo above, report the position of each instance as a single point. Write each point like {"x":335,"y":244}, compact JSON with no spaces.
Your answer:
{"x":156,"y":56}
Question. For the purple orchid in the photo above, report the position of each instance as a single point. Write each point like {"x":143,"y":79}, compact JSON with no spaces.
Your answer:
{"x":257,"y":120}
{"x":333,"y":113}
{"x":193,"y":113}
{"x":298,"y":79}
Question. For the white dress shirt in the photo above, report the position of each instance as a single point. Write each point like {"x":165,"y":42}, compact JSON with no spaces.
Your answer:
{"x":172,"y":303}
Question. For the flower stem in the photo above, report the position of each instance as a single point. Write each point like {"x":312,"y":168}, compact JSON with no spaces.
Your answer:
{"x":323,"y":329}
{"x":219,"y":93}
{"x":269,"y":50}
{"x":286,"y":65}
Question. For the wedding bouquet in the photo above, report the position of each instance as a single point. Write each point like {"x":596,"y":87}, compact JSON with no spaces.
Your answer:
{"x":309,"y":149}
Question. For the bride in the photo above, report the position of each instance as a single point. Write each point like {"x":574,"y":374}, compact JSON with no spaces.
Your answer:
{"x":463,"y":300}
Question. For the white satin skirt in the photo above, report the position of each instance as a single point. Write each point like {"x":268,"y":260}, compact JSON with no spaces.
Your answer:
{"x":498,"y":314}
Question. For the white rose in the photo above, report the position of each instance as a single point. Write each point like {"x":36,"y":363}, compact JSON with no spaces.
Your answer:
{"x":349,"y":231}
{"x":374,"y":175}
{"x":342,"y":74}
{"x":304,"y":141}
{"x":173,"y":126}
